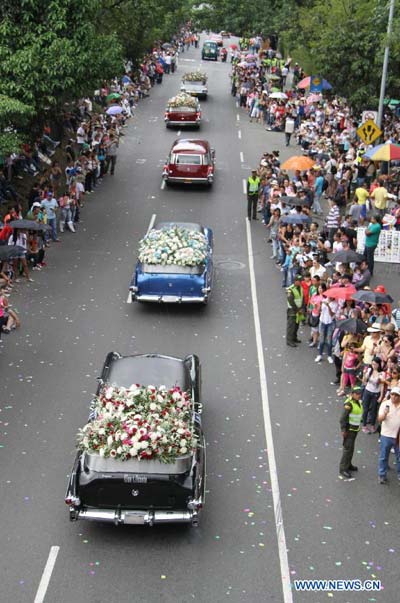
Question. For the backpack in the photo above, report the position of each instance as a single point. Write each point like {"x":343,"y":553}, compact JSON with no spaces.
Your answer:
{"x":325,"y":185}
{"x":334,"y":170}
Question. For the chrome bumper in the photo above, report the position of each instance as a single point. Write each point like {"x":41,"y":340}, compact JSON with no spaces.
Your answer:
{"x":196,"y":122}
{"x":149,"y":518}
{"x":170,"y":299}
{"x":188,"y":179}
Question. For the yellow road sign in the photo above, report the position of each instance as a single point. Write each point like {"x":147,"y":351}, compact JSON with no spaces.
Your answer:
{"x":369,"y":131}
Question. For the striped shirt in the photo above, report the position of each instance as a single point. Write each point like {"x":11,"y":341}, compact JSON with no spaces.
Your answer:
{"x":333,"y":217}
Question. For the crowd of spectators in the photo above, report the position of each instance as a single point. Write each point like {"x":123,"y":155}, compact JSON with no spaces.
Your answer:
{"x":64,"y":172}
{"x":312,"y":216}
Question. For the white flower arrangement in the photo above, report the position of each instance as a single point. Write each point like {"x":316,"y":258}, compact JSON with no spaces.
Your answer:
{"x":173,"y":246}
{"x":195,"y":76}
{"x":183,"y":100}
{"x":140,"y":422}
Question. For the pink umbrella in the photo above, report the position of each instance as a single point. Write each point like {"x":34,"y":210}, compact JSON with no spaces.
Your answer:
{"x":251,"y":57}
{"x":305,"y":83}
{"x":313,"y":98}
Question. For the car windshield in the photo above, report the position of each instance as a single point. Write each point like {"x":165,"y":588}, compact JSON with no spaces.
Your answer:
{"x":193,"y":83}
{"x":187,"y":159}
{"x":181,"y":110}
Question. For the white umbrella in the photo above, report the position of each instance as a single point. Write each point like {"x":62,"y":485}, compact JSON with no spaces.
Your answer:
{"x":280,"y":95}
{"x":114,"y":110}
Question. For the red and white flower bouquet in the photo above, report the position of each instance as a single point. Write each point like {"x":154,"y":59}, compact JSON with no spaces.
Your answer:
{"x":140,"y":422}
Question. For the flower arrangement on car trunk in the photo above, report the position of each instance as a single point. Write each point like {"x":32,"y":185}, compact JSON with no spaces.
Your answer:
{"x":182,"y":100}
{"x":195,"y":76}
{"x":176,"y":245}
{"x":140,"y":422}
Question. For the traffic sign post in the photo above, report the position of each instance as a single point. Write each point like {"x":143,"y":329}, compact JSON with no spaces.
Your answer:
{"x":369,"y":131}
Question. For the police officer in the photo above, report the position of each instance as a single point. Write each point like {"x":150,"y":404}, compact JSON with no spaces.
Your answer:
{"x":253,"y":188}
{"x":350,"y":421}
{"x":295,"y":311}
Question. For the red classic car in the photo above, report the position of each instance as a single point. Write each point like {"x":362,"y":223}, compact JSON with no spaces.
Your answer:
{"x":183,"y":110}
{"x":189,"y":162}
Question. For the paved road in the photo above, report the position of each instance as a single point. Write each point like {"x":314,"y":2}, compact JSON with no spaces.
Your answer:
{"x":76,"y":312}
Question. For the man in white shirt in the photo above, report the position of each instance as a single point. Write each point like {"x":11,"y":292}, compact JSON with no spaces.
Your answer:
{"x":389,"y":417}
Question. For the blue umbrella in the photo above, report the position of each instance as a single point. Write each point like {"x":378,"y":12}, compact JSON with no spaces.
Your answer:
{"x":296,"y":219}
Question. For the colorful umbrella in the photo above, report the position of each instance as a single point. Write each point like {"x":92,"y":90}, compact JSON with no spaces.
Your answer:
{"x":305,"y":83}
{"x":298,"y":162}
{"x":274,"y":77}
{"x":251,"y":57}
{"x":384,"y":152}
{"x":233,"y":46}
{"x":313,"y":98}
{"x":340,"y":292}
{"x":114,"y":110}
{"x":113,"y":96}
{"x":280,"y":95}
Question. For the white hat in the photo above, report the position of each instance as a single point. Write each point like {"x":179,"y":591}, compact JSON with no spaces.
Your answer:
{"x":36,"y":204}
{"x":395,"y":390}
{"x":373,"y":330}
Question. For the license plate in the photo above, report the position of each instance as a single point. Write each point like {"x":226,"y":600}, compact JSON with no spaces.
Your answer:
{"x":134,"y":518}
{"x":170,"y":298}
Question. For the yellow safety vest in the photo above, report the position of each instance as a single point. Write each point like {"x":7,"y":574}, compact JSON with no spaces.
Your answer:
{"x":355,"y":415}
{"x":254,"y":184}
{"x":298,"y":296}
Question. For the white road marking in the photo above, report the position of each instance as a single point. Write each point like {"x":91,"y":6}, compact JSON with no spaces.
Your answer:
{"x":237,"y":117}
{"x":162,"y":187}
{"x":179,"y":133}
{"x":129,"y":300}
{"x":241,"y":157}
{"x":151,"y":223}
{"x":48,"y":570}
{"x":273,"y":472}
{"x":244,"y":183}
{"x":239,"y":134}
{"x":237,"y":104}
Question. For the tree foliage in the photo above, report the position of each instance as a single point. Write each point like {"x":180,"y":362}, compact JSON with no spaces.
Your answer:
{"x":55,"y":51}
{"x":343,"y":40}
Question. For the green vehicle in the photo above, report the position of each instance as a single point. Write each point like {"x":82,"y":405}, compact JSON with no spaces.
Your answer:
{"x":209,"y":51}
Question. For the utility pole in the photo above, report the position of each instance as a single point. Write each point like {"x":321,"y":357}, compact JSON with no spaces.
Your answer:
{"x":385,"y":64}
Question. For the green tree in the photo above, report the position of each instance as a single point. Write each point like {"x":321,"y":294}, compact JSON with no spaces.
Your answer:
{"x":51,"y":51}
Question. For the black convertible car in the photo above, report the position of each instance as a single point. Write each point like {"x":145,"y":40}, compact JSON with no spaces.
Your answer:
{"x":142,"y":491}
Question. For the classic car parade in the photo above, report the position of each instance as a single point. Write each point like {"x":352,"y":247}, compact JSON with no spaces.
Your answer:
{"x":195,"y":83}
{"x":175,"y":264}
{"x":183,"y":110}
{"x":190,"y":161}
{"x":209,"y":52}
{"x":141,"y":456}
{"x":218,"y":39}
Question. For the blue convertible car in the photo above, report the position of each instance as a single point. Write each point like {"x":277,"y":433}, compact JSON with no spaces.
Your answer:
{"x":174,"y":264}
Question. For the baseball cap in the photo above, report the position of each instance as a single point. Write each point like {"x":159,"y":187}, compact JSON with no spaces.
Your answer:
{"x":49,"y":194}
{"x":395,"y":390}
{"x":36,"y":204}
{"x":357,"y":389}
{"x":373,"y":330}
